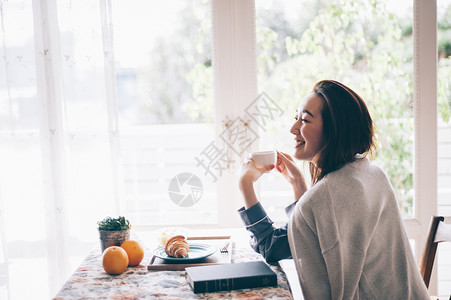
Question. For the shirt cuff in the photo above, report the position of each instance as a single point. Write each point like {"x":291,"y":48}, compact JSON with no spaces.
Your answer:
{"x":253,"y":215}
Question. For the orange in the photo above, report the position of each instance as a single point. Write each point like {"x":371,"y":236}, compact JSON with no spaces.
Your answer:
{"x":114,"y":260}
{"x":134,"y":251}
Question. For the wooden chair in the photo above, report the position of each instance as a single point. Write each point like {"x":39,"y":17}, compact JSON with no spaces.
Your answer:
{"x":439,"y":231}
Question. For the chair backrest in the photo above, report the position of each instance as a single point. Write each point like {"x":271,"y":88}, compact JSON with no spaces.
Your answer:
{"x":439,"y":231}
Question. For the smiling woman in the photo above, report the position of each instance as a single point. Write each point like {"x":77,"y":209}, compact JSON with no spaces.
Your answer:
{"x":347,"y":192}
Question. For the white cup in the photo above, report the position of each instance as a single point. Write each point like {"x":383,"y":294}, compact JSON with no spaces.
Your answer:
{"x":263,"y":158}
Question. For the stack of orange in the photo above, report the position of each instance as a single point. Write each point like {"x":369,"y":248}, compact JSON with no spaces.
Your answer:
{"x":115,"y":260}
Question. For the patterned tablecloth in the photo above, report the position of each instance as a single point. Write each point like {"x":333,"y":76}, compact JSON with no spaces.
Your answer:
{"x":91,"y":282}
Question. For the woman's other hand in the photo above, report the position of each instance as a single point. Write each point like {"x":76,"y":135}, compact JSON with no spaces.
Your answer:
{"x":250,"y":173}
{"x":286,"y":166}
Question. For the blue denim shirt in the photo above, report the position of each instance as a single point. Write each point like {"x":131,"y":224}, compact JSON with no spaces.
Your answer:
{"x":269,"y":241}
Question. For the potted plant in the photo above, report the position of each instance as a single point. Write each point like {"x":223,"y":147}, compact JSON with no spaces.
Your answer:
{"x":113,"y":232}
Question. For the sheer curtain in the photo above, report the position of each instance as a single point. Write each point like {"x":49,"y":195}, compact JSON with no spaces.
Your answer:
{"x":59,"y":157}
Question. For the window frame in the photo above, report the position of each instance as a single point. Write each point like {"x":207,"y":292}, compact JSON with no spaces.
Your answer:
{"x":235,"y":86}
{"x":425,"y":120}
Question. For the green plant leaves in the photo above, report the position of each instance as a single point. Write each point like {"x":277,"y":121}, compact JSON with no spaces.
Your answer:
{"x":111,"y":224}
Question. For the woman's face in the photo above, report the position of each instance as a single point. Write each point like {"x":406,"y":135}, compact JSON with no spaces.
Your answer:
{"x":308,"y":128}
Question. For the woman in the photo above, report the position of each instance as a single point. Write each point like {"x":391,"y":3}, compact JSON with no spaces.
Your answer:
{"x":345,"y":233}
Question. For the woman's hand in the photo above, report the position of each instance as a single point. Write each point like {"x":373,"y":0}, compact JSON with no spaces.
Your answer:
{"x":248,"y":175}
{"x":286,"y":166}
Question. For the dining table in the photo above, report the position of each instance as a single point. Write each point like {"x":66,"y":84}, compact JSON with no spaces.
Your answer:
{"x":153,"y":279}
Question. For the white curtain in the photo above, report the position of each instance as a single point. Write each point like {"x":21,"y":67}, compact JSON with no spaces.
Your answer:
{"x":59,"y":154}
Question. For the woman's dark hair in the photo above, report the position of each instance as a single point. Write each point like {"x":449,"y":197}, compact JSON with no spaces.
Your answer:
{"x":348,"y":129}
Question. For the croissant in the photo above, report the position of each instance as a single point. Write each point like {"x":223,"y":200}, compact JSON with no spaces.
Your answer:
{"x":177,"y":246}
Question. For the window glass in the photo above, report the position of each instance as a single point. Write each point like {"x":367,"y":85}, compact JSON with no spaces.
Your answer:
{"x":367,"y":45}
{"x":164,"y":80}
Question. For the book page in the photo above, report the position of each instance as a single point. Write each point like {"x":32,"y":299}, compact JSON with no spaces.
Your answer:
{"x":289,"y":268}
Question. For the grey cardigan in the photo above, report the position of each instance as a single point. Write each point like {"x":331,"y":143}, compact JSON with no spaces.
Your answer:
{"x":348,"y":240}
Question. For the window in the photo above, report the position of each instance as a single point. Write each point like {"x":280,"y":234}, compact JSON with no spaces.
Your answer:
{"x":367,"y":45}
{"x":164,"y":81}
